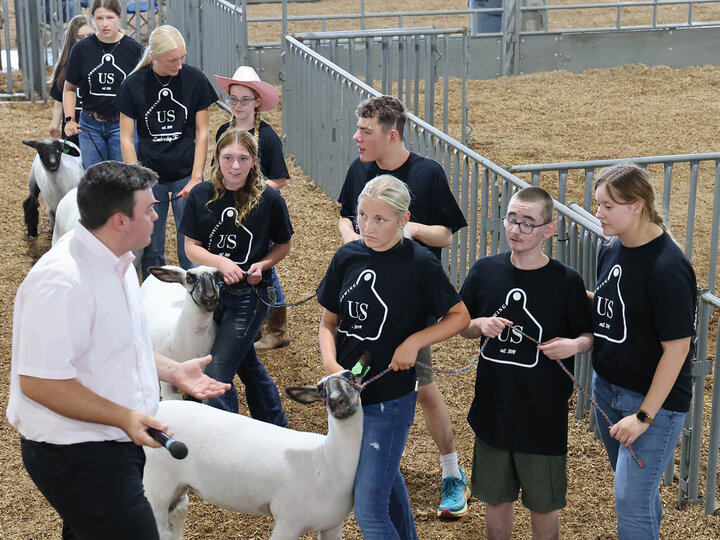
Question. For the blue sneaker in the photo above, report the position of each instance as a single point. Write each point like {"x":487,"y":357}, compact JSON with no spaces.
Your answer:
{"x":455,"y":493}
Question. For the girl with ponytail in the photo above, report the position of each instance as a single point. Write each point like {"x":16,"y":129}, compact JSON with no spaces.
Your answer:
{"x":644,"y":309}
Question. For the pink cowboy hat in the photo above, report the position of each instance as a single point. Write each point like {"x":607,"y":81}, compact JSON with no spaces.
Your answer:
{"x":247,"y":76}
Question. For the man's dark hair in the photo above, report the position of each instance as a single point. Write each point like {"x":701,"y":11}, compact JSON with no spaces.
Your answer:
{"x":109,"y":187}
{"x":387,"y":110}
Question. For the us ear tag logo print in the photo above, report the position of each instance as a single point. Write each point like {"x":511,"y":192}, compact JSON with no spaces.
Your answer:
{"x":366,"y":312}
{"x":165,"y":119}
{"x":510,"y":347}
{"x":609,"y":308}
{"x":229,"y":240}
{"x":105,"y":79}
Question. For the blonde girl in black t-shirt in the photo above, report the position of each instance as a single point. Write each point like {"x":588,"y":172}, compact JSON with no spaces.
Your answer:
{"x":644,"y":310}
{"x":379,"y":295}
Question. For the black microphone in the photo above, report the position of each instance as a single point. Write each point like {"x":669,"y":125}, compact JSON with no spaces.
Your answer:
{"x":177,"y":449}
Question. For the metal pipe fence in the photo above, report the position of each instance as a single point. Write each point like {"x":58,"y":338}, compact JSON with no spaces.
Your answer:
{"x":406,"y":63}
{"x":681,"y":192}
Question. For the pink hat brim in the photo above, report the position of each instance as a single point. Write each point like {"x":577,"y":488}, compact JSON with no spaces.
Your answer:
{"x":267,"y":92}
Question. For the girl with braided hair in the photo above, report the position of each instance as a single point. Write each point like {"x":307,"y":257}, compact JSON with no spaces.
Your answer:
{"x":248,"y":96}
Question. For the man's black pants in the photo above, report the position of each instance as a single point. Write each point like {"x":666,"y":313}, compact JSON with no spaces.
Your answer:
{"x":96,"y":487}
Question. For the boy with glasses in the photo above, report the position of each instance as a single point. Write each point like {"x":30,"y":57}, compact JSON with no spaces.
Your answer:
{"x":519,"y":412}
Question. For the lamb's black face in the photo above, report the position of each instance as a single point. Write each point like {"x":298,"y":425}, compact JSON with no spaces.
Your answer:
{"x":341,"y":397}
{"x":50,"y":154}
{"x":206,"y":292}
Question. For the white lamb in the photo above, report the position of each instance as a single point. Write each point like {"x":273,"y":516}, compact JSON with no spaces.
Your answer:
{"x":179,"y":307}
{"x":56,"y":169}
{"x":303,"y":480}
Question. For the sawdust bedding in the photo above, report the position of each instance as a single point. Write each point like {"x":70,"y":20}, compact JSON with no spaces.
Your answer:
{"x":622,"y":112}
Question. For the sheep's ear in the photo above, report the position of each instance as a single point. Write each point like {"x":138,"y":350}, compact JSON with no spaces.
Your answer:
{"x":70,"y":149}
{"x":31,"y":143}
{"x":304,"y":394}
{"x":168,"y":273}
{"x":361,"y":367}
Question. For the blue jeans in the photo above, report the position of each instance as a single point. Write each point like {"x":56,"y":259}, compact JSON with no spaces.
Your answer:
{"x":240,"y":315}
{"x":382,"y":506}
{"x":99,"y":141}
{"x":637,"y":498}
{"x":154,"y":254}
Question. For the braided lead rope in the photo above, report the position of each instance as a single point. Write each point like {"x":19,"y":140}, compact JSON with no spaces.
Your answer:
{"x":579,"y":387}
{"x":268,"y":304}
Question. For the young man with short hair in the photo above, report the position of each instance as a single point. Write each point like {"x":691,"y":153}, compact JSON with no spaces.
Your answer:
{"x":434,"y":217}
{"x":84,"y":378}
{"x":520,"y":409}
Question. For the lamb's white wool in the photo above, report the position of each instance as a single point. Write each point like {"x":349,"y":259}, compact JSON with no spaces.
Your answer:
{"x":56,"y":169}
{"x":303,"y":480}
{"x":181,"y":324}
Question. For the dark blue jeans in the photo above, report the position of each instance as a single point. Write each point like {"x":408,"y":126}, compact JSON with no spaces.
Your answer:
{"x":96,"y":487}
{"x":240,"y":315}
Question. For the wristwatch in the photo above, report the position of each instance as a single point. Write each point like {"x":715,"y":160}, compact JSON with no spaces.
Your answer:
{"x":644,"y":417}
{"x":69,"y":119}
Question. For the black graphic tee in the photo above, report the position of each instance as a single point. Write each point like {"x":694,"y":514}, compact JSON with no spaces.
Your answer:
{"x":521,"y":396}
{"x":270,"y":151}
{"x":165,"y":117}
{"x":215,"y":226}
{"x":383,"y":298}
{"x":99,"y":69}
{"x":644,"y":295}
{"x":432,"y":201}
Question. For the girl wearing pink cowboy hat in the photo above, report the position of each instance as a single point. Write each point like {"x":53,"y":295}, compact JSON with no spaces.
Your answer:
{"x":247,"y":97}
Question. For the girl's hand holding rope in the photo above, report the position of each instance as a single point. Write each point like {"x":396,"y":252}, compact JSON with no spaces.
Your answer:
{"x":231,"y":272}
{"x":627,"y":430}
{"x":254,"y":274}
{"x":405,"y":356}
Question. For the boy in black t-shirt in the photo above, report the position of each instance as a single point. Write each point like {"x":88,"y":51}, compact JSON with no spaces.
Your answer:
{"x":434,"y":217}
{"x":519,"y":412}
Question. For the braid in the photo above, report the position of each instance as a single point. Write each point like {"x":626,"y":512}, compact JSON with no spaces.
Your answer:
{"x":257,"y":127}
{"x":657,"y":219}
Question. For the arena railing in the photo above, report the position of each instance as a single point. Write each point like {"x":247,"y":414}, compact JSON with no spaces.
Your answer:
{"x":702,"y":183}
{"x":679,"y":197}
{"x":407,"y":62}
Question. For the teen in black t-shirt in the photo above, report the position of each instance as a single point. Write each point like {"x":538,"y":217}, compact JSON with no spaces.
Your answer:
{"x":228,"y":224}
{"x":378,"y":295}
{"x":166,"y":103}
{"x":644,"y":315}
{"x":520,"y":409}
{"x":97,"y":66}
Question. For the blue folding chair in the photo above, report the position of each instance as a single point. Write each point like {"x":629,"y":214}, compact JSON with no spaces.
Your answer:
{"x":138,"y":18}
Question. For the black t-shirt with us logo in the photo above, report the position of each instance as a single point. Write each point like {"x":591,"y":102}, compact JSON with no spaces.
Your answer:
{"x":383,"y":298}
{"x":215,"y":225}
{"x":521,"y":396}
{"x":164,"y":109}
{"x":99,"y":69}
{"x":644,"y":295}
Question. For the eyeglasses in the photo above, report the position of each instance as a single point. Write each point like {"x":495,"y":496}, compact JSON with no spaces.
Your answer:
{"x":524,"y":226}
{"x":232,"y":100}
